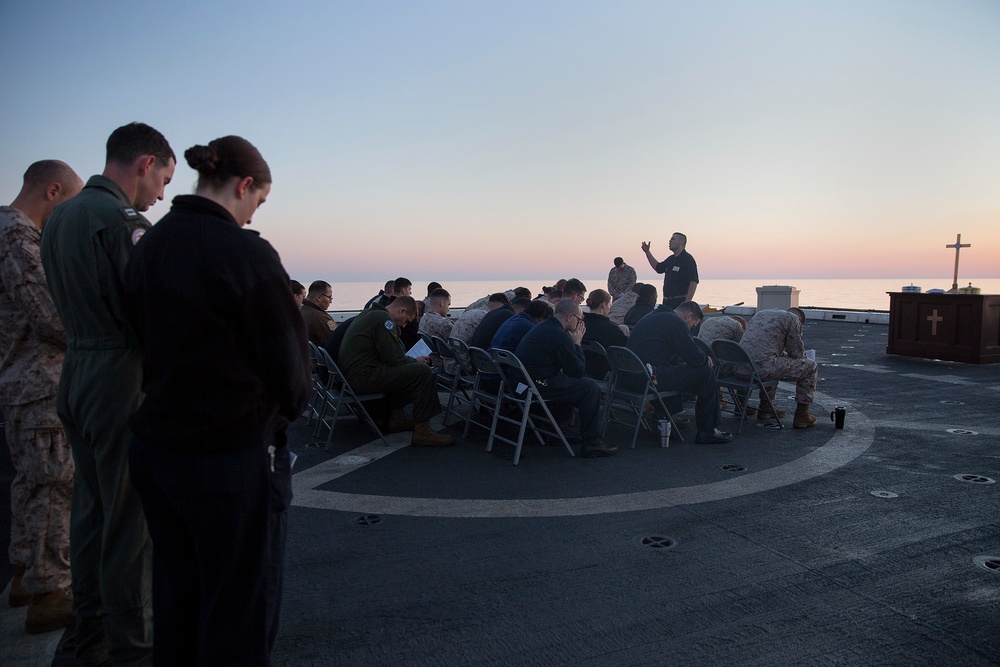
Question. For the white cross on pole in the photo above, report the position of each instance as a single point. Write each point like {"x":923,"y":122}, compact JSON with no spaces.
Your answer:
{"x":957,"y":245}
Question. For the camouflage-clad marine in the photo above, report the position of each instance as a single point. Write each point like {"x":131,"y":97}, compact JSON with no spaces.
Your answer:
{"x":773,"y":340}
{"x":467,"y":322}
{"x":720,"y":328}
{"x":32,"y":343}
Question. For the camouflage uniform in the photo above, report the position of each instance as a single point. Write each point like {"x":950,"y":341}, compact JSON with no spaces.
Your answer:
{"x":720,"y":328}
{"x":621,"y":281}
{"x":773,"y":340}
{"x":85,"y":246}
{"x":319,"y":324}
{"x":621,"y":306}
{"x":466,"y":324}
{"x":433,"y":324}
{"x":32,"y":342}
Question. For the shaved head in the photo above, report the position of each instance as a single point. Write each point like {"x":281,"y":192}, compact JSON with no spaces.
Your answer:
{"x":45,"y":172}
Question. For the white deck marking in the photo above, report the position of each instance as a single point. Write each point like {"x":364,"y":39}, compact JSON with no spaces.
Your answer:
{"x":843,"y":447}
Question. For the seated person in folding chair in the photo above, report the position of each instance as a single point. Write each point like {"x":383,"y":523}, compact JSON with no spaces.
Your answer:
{"x":773,"y":340}
{"x":600,"y":329}
{"x":663,"y":339}
{"x":645,"y":303}
{"x":373,"y":360}
{"x":510,"y":333}
{"x":553,"y":358}
{"x":725,"y":327}
{"x":487,"y":328}
{"x":435,"y":321}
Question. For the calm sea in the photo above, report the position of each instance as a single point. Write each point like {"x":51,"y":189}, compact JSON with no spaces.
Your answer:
{"x":869,"y":293}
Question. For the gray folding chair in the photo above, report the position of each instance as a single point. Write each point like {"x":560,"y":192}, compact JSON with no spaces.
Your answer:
{"x":631,"y":388}
{"x":519,"y":390}
{"x":487,"y":389}
{"x":319,"y":376}
{"x":740,"y":388}
{"x":454,"y":377}
{"x":337,"y":397}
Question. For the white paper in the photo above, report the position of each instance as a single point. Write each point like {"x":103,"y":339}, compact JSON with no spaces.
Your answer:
{"x":811,"y":355}
{"x":419,"y":349}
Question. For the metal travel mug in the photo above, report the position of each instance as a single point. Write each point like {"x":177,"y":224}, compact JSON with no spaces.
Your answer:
{"x":837,"y":416}
{"x":664,"y":426}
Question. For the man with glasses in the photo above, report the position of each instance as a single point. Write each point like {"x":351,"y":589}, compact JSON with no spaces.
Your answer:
{"x":319,"y":324}
{"x":554,"y":360}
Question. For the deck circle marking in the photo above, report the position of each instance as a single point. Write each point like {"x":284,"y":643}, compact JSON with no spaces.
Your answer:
{"x":961,"y":431}
{"x":838,"y":451}
{"x":953,"y":402}
{"x":974,"y":479}
{"x":885,"y":494}
{"x":990,"y":563}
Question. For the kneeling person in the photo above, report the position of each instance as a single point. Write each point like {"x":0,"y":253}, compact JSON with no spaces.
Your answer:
{"x":373,"y":360}
{"x":554,"y":360}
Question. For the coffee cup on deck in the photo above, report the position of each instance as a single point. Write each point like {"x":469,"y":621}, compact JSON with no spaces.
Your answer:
{"x":837,"y":416}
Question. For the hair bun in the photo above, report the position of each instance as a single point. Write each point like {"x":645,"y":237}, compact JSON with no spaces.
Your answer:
{"x":203,"y":159}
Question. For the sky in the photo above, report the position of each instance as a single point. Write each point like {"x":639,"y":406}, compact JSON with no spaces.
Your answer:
{"x":486,"y":140}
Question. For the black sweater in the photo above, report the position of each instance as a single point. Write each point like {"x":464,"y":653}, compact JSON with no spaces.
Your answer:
{"x":224,"y":356}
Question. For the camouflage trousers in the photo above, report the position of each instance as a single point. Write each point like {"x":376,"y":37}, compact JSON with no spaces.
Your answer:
{"x":40,"y":495}
{"x":801,"y":371}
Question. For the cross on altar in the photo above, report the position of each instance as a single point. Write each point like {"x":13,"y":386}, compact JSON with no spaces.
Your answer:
{"x":934,"y":318}
{"x":957,"y":245}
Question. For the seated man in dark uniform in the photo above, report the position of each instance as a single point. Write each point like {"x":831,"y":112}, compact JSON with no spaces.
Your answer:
{"x":373,"y":360}
{"x":663,"y":339}
{"x":644,"y":304}
{"x":510,"y":333}
{"x":553,"y":358}
{"x":491,"y":322}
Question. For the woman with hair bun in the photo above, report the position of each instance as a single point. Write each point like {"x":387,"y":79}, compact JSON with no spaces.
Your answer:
{"x":600,"y":329}
{"x":225,"y":369}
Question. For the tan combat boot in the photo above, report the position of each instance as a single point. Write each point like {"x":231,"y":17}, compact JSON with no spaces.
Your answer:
{"x":764,"y":412}
{"x":802,"y":418}
{"x":398,"y":422}
{"x":425,"y":436}
{"x":50,"y":611}
{"x":18,"y":597}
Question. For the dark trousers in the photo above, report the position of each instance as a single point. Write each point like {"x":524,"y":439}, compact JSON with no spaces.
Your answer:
{"x":582,"y":393}
{"x":409,"y":383}
{"x":110,"y":551}
{"x":701,"y":381}
{"x":218,"y":522}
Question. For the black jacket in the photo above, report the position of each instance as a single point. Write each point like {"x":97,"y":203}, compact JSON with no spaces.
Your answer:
{"x":224,"y":356}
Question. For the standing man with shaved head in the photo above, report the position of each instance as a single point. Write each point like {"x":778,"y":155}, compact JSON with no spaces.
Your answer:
{"x":32,"y":344}
{"x":85,"y":247}
{"x":680,"y":279}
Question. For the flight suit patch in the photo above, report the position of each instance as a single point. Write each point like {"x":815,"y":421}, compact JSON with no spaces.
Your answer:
{"x":137,"y":234}
{"x":389,"y":325}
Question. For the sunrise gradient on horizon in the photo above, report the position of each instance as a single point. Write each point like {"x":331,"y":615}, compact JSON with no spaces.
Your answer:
{"x":489,"y":140}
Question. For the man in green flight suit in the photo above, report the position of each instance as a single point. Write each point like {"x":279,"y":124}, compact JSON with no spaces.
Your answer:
{"x":374,"y":360}
{"x":85,"y":246}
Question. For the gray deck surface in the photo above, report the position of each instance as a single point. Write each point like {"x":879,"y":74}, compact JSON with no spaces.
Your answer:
{"x":799,"y":559}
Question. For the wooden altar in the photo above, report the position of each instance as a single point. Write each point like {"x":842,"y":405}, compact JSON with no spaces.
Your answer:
{"x":952,"y":327}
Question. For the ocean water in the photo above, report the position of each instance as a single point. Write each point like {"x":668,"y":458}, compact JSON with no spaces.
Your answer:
{"x":864,"y":294}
